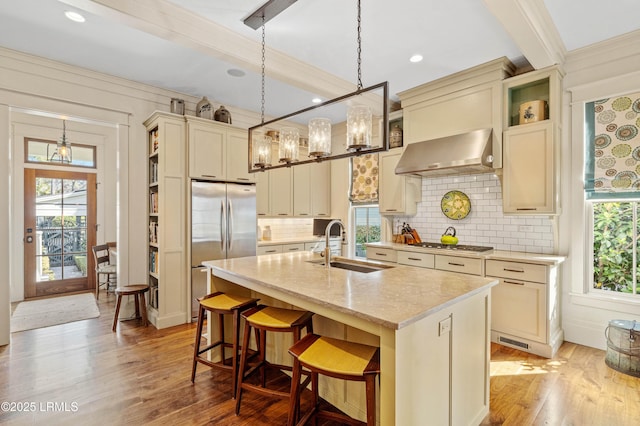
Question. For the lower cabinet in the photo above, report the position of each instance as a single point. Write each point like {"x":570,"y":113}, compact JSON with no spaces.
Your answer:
{"x":315,"y":246}
{"x":525,"y":306}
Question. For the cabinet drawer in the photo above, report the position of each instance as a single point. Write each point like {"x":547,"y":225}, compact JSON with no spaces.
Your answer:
{"x":421,"y":260}
{"x":517,"y":270}
{"x":286,"y":248}
{"x":377,"y":253}
{"x":268,"y":250}
{"x":465,"y":265}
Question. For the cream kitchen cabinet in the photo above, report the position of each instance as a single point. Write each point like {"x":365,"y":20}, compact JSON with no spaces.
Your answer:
{"x":529,"y":174}
{"x":525,"y":306}
{"x":532,"y":120}
{"x":413,"y":258}
{"x":312,"y":190}
{"x":263,"y":202}
{"x":465,"y":265}
{"x":217,"y":151}
{"x":281,"y":192}
{"x":398,"y":195}
{"x":380,"y":253}
{"x":270,"y":249}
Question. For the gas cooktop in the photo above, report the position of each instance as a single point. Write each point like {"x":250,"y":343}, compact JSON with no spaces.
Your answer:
{"x":460,"y":247}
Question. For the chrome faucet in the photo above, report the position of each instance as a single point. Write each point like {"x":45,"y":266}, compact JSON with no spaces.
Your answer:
{"x":327,"y":248}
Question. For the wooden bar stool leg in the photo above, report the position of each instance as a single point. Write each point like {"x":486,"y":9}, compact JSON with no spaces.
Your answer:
{"x":295,"y":393}
{"x":370,"y":383}
{"x":243,"y":365}
{"x":143,"y":309}
{"x":234,"y":359}
{"x":196,"y":348}
{"x":137,"y":303}
{"x":115,"y":317}
{"x":221,"y":334}
{"x":263,"y":357}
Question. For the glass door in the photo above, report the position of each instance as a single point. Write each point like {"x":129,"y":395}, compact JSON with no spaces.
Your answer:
{"x":60,"y":224}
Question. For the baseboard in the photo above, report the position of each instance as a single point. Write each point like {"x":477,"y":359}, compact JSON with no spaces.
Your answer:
{"x":525,"y":345}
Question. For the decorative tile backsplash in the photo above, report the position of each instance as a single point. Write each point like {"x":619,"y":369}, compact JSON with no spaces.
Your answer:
{"x":485,"y":225}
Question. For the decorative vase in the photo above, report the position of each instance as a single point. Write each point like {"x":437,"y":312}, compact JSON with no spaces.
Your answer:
{"x":204,"y":109}
{"x":223,"y":115}
{"x":395,"y":137}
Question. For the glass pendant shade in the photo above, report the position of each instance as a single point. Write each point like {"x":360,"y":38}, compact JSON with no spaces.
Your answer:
{"x":62,"y":153}
{"x":261,"y":150}
{"x":358,"y":127}
{"x":289,"y":144}
{"x":319,"y":137}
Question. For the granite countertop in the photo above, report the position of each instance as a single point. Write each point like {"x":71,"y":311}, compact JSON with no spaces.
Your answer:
{"x":393,"y":297}
{"x":513,"y":256}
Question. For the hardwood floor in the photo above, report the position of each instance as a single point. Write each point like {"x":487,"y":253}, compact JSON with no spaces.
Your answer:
{"x":142,"y":376}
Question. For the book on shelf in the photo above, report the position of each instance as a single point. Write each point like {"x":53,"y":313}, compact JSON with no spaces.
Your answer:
{"x":154,"y":141}
{"x":153,"y":261}
{"x":153,"y":232}
{"x":153,"y":173}
{"x":153,"y":202}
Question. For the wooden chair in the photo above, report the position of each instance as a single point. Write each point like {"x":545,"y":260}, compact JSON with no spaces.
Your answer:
{"x":333,"y":358}
{"x":103,"y":268}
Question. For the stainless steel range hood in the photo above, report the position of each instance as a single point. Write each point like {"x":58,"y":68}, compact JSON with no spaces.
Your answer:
{"x":466,"y":153}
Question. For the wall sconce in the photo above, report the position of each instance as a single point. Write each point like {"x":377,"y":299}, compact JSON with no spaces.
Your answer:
{"x":319,"y":137}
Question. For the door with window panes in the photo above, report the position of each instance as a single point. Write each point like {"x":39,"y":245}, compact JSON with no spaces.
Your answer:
{"x":60,"y":224}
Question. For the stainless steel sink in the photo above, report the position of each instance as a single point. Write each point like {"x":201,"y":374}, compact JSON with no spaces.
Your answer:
{"x":353,"y":265}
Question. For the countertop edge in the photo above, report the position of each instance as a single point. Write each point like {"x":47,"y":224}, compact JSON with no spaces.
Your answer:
{"x":514,"y":256}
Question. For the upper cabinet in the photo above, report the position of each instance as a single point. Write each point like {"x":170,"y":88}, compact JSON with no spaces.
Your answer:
{"x":398,"y":195}
{"x":312,"y":190}
{"x":217,"y":151}
{"x":530,"y":175}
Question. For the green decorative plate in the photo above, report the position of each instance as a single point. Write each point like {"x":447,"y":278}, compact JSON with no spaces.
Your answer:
{"x":455,"y":205}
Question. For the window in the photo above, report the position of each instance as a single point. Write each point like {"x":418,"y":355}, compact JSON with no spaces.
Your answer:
{"x":36,"y":152}
{"x":615,"y":246}
{"x":612,"y":188}
{"x":367,"y":227}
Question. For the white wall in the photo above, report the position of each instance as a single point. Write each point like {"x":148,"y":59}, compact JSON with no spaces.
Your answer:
{"x":592,"y":73}
{"x":34,"y":91}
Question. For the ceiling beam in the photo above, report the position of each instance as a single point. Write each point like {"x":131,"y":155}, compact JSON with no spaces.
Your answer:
{"x":531,"y":27}
{"x":164,"y":19}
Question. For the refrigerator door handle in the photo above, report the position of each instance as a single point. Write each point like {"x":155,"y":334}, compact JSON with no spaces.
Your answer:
{"x":223,"y":220}
{"x":230,"y":227}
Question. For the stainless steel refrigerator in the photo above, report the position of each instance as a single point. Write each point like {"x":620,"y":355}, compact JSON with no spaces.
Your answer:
{"x":223,"y":225}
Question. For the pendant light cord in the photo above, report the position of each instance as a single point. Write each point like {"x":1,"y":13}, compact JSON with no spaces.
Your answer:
{"x":263,"y":51}
{"x":359,"y":50}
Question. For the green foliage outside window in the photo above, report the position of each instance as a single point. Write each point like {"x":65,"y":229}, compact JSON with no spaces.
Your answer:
{"x":614,"y":242}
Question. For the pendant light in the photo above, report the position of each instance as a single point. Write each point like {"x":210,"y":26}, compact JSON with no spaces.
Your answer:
{"x":359,"y":117}
{"x":289,"y":144}
{"x":62,"y":153}
{"x":319,"y":137}
{"x":261,"y":141}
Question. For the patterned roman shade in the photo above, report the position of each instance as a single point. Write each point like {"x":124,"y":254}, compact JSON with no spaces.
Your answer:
{"x":364,"y":179}
{"x":613,"y":147}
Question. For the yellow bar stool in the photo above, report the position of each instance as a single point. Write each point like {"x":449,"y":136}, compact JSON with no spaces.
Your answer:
{"x":262,"y":319}
{"x":333,"y":358}
{"x":221,"y":304}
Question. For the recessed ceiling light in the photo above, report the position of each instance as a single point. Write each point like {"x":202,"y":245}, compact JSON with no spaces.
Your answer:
{"x":415,"y":58}
{"x":74,"y":16}
{"x":316,"y":100}
{"x":234,"y":72}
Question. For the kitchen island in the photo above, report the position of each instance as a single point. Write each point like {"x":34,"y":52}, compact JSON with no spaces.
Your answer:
{"x":432,"y":328}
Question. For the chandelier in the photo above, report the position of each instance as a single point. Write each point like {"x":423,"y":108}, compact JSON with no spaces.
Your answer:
{"x":361,"y":115}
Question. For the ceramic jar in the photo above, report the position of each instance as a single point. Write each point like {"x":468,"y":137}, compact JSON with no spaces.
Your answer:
{"x":204,"y":109}
{"x":395,"y":137}
{"x":223,"y":115}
